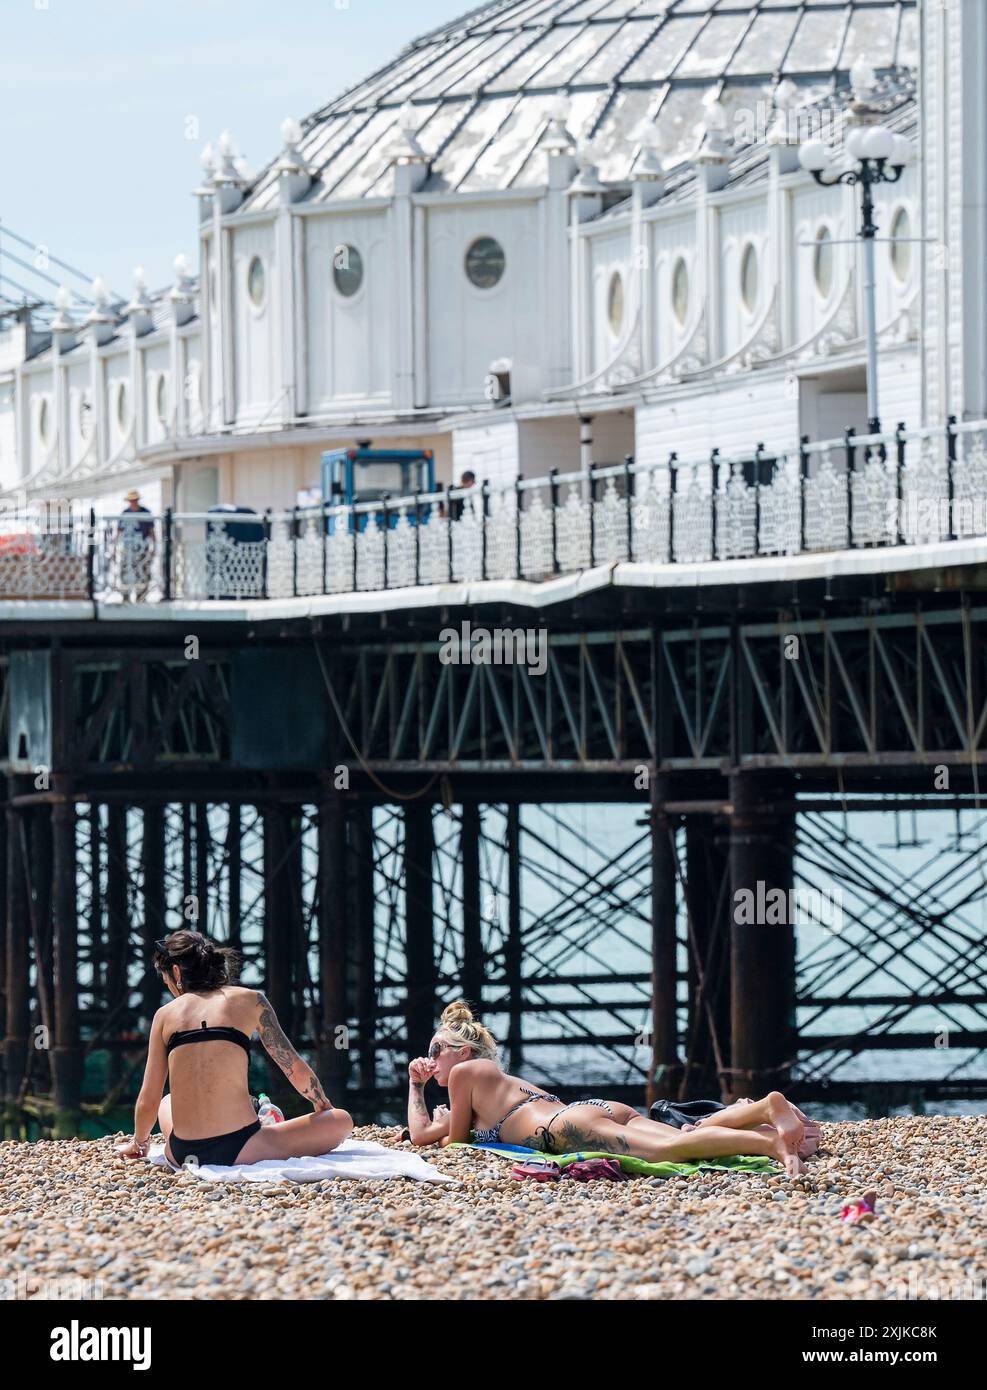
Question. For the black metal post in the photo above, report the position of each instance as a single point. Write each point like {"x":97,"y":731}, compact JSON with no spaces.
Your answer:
{"x":91,"y":556}
{"x":803,"y":480}
{"x":849,"y":435}
{"x":899,"y":471}
{"x":950,"y":474}
{"x":591,"y":470}
{"x":629,"y":495}
{"x":672,"y":483}
{"x":518,"y":509}
{"x":484,"y":510}
{"x":554,"y":493}
{"x":169,"y":540}
{"x":418,"y":539}
{"x":267,"y":542}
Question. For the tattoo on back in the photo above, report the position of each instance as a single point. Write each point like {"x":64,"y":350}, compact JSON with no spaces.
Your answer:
{"x":273,"y":1037}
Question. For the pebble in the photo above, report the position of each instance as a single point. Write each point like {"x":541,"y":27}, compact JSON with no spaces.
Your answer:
{"x":71,"y":1207}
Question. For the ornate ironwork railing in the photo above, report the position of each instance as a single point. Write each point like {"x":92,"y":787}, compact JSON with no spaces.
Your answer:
{"x":902,"y":488}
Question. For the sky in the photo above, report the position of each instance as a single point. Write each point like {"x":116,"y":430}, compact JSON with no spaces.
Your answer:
{"x":105,"y":106}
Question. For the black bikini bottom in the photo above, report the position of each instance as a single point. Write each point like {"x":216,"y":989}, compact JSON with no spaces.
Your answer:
{"x":223,"y":1149}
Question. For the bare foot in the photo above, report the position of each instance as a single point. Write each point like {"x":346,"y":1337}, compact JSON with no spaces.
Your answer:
{"x":794,"y":1166}
{"x":791,"y":1132}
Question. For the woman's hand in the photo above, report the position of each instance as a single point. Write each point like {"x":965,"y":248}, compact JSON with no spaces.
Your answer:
{"x":133,"y":1149}
{"x":420,"y":1070}
{"x":441,"y":1112}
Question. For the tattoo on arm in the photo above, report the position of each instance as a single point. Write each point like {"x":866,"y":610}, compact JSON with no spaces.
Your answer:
{"x":314,"y":1092}
{"x":416,"y":1101}
{"x":273,"y":1037}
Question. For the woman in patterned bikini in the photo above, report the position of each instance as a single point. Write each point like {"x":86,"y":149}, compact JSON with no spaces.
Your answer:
{"x":505,"y":1109}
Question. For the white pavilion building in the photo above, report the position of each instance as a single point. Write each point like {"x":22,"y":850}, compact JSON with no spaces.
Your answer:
{"x":551,"y":230}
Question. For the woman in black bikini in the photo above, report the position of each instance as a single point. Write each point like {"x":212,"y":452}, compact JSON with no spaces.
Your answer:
{"x":209,"y":1116}
{"x":500,"y":1108}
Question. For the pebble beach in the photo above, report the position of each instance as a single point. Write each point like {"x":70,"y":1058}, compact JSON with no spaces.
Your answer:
{"x":77,"y":1221}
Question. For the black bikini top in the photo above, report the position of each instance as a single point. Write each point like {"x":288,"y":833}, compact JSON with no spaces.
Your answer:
{"x":207,"y":1034}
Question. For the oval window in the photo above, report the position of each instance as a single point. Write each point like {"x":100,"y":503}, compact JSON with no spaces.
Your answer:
{"x":823,"y":262}
{"x":680,"y":290}
{"x":901,"y":251}
{"x":485,"y":263}
{"x":122,"y":406}
{"x":748,"y":278}
{"x":347,"y":270}
{"x":615,"y":303}
{"x":255,"y":281}
{"x":44,"y":419}
{"x":161,"y":399}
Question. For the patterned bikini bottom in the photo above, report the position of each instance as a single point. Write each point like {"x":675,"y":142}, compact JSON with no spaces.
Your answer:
{"x":546,"y":1135}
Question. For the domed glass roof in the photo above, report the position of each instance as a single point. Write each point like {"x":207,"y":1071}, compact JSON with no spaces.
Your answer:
{"x":479,"y":93}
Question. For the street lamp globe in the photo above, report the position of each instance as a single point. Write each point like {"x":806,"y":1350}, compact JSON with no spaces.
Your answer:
{"x":813,"y":156}
{"x":878,"y":142}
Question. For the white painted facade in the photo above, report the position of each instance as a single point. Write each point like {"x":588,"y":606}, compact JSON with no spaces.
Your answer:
{"x":681,"y":309}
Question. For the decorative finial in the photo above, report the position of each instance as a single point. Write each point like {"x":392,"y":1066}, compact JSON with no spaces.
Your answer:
{"x":557,"y":138}
{"x":63,"y":321}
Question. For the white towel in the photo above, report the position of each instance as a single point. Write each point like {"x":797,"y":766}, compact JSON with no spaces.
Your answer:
{"x":353,"y":1159}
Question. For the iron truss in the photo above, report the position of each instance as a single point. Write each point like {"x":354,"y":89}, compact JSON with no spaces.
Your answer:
{"x":901,"y":688}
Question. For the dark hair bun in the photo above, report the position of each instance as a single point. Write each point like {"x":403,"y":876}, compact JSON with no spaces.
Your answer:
{"x":201,"y":963}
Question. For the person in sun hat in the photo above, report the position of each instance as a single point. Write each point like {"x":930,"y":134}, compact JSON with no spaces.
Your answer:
{"x":135,"y":532}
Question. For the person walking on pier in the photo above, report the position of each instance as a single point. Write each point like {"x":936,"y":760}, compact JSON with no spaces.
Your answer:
{"x":209,"y":1116}
{"x":505,"y":1109}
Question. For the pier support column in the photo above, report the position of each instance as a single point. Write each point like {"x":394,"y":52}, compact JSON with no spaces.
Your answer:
{"x":277,"y":929}
{"x":66,"y":1054}
{"x":3,"y":957}
{"x":202,"y":865}
{"x":153,"y":864}
{"x":18,"y":959}
{"x":117,"y":935}
{"x":666,"y":1071}
{"x":234,"y":872}
{"x":334,"y":1056}
{"x":513,"y":946}
{"x":762,"y":938}
{"x":708,"y":896}
{"x":361,"y":827}
{"x":469,"y":859}
{"x":419,"y":847}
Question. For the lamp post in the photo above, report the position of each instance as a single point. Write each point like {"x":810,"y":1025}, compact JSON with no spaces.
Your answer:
{"x":871,"y":155}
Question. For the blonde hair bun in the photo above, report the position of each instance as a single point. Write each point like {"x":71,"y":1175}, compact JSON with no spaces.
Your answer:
{"x":454,"y":1015}
{"x":460,"y":1029}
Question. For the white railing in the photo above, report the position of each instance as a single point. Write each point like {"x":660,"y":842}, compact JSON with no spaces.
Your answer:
{"x":880,"y":490}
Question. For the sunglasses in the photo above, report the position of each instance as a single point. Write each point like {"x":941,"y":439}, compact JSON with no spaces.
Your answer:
{"x":437,"y":1049}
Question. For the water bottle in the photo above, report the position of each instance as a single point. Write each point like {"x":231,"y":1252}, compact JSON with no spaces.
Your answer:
{"x":267,"y":1112}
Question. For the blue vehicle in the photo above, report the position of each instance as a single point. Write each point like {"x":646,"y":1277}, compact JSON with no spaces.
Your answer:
{"x":363,"y":474}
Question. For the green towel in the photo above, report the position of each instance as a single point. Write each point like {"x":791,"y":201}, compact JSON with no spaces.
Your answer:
{"x":640,"y":1167}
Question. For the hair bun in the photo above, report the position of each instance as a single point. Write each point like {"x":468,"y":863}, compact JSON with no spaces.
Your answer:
{"x":457,"y":1013}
